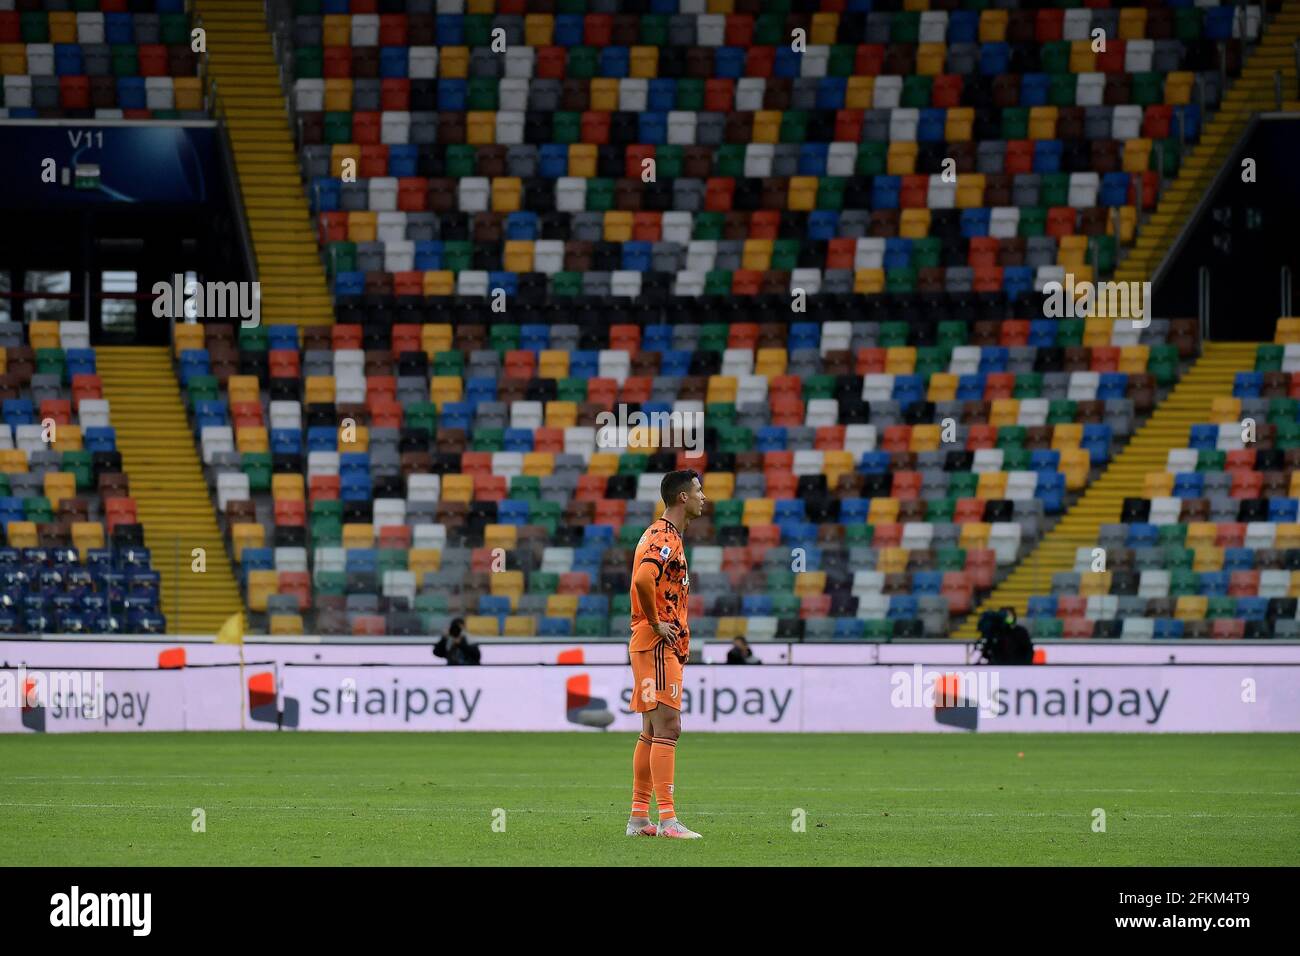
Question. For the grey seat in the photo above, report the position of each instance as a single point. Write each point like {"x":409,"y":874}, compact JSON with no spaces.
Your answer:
{"x":148,"y":28}
{"x":803,"y":93}
{"x":492,"y":415}
{"x":486,"y":63}
{"x":878,"y":27}
{"x":370,"y":255}
{"x":596,"y":284}
{"x":45,"y":387}
{"x":837,"y":282}
{"x":587,"y":226}
{"x":97,"y":59}
{"x":1156,"y":333}
{"x":854,"y":224}
{"x":306,"y":31}
{"x":785,"y":162}
{"x":990,"y":156}
{"x":1026,"y":188}
{"x":875,"y":126}
{"x":424,"y":127}
{"x":963,"y":58}
{"x":1020,"y":359}
{"x":749,"y":484}
{"x":45,"y":92}
{"x":354,"y":197}
{"x":710,"y":128}
{"x":521,"y":160}
{"x":667,"y":256}
{"x":945,"y":535}
{"x":681,"y":30}
{"x":367,"y":94}
{"x":862,"y":557}
{"x":819,"y":628}
{"x":422,"y":226}
{"x":1065,"y":583}
{"x":1056,"y":385}
{"x":664,"y":388}
{"x":1040,"y":250}
{"x":685,"y":337}
{"x":728,"y":254}
{"x":544,"y":95}
{"x":1097,"y":120}
{"x":865,"y":334}
{"x":959,"y":279}
{"x":805,"y":362}
{"x":315,"y":161}
{"x":512,"y":25}
{"x":411,"y":389}
{"x":317,"y":362}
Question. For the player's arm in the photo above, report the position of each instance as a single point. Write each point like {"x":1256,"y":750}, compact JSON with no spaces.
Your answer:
{"x":644,"y":580}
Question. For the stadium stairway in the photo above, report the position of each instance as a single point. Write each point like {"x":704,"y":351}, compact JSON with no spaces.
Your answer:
{"x":241,"y":61}
{"x":167,"y":483}
{"x":1188,"y":404}
{"x":1250,"y":93}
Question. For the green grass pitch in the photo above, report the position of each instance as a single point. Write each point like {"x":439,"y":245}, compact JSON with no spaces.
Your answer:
{"x":429,"y":799}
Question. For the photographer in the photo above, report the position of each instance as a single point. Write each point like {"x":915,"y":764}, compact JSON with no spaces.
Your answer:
{"x":740,"y":652}
{"x":455,"y":646}
{"x":1002,"y":640}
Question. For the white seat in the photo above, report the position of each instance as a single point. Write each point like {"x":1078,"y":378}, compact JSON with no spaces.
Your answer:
{"x":557,"y":560}
{"x":810,"y":280}
{"x":1126,"y":121}
{"x":291,"y":559}
{"x":389,"y":512}
{"x":701,"y":254}
{"x":869,"y":253}
{"x":647,"y":487}
{"x":758,"y":160}
{"x":1181,"y":460}
{"x":472,"y":283}
{"x":815,"y":60}
{"x":1138,"y":629}
{"x":1138,"y":55}
{"x":681,"y":127}
{"x":332,"y":558}
{"x":1165,"y":510}
{"x":841,"y":159}
{"x":1021,"y":485}
{"x":215,"y":438}
{"x":737,"y":362}
{"x":677,"y":226}
{"x":580,"y":440}
{"x":512,"y":93}
{"x":1083,"y":189}
{"x":987,"y":461}
{"x":868,"y":582}
{"x":286,"y":414}
{"x":917,"y":535}
{"x":507,"y":464}
{"x":1004,"y":539}
{"x":1102,"y":607}
{"x":1274,"y":583}
{"x":877,"y":387}
{"x":474,"y":194}
{"x":615,"y":364}
{"x":429,"y":536}
{"x":93,"y":413}
{"x":398,"y":256}
{"x":324,"y":463}
{"x":526,"y":414}
{"x":1078,"y":24}
{"x":399,"y":584}
{"x":365,"y":29}
{"x":1033,"y":411}
{"x":750,"y":91}
{"x":74,"y":335}
{"x":423,"y":487}
{"x":625,"y":283}
{"x":633,"y":94}
{"x":836,"y":336}
{"x":761,"y":627}
{"x":30,"y":438}
{"x":859,"y":438}
{"x":422,"y":62}
{"x":90,"y":27}
{"x":807,"y":461}
{"x":548,"y":256}
{"x":1260,"y":535}
{"x":902,"y":124}
{"x":520,"y":61}
{"x":1004,"y":222}
{"x":873,"y":607}
{"x":1153,"y":583}
{"x":395,"y":127}
{"x":707,"y":559}
{"x":688,"y":282}
{"x":941,"y":194}
{"x":510,"y":127}
{"x":1083,"y":386}
{"x":965,"y":360}
{"x":887,"y":92}
{"x":1090,"y":89}
{"x":231,"y":486}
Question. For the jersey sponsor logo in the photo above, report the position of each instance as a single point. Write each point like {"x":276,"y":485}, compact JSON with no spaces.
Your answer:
{"x":665,"y":551}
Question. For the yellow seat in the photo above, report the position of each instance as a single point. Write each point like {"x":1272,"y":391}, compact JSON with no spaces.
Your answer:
{"x":560,"y":414}
{"x":1288,"y":331}
{"x":930,"y":58}
{"x":618,"y":226}
{"x":802,"y":194}
{"x":13,"y":461}
{"x":1132,"y":23}
{"x":924,"y":438}
{"x":1071,"y":251}
{"x":943,"y":387}
{"x":770,"y":362}
{"x":1225,"y":408}
{"x":244,"y":535}
{"x":189,"y":335}
{"x":1158,"y":484}
{"x":859,"y":92}
{"x":900,"y":359}
{"x":261,"y":585}
{"x":59,"y":485}
{"x":1288,"y":532}
{"x":959,"y":127}
{"x":286,"y":624}
{"x":757,"y":254}
{"x":914,"y":224}
{"x":900,"y":159}
{"x":445,"y":388}
{"x":1094,"y":583}
{"x":1201,"y":534}
{"x":991,"y":485}
{"x":436,"y":338}
{"x":67,"y":438}
{"x":758,"y":511}
{"x":319,"y":389}
{"x":970,"y":190}
{"x":458,"y":488}
{"x":421,"y":561}
{"x":252,"y":438}
{"x":836,"y":463}
{"x":993,"y":26}
{"x":1042,"y":122}
{"x":892,"y":560}
{"x":500,"y":536}
{"x":63,"y":27}
{"x":507,"y":191}
{"x":1178,"y":87}
{"x":1076,"y":463}
{"x":721,"y":388}
{"x":883,"y":511}
{"x":243,"y":388}
{"x":87,"y":535}
{"x":453,"y":62}
{"x":363,"y":226}
{"x":539,"y":29}
{"x":1137,"y":153}
{"x":358,"y":535}
{"x":868,"y":281}
{"x":354,"y":438}
{"x":1206,"y":558}
{"x":1066,"y":435}
{"x":507,"y":584}
{"x":539,"y":464}
{"x":1004,"y":411}
{"x":602,"y":463}
{"x":340,"y":153}
{"x":582,"y":160}
{"x":336,"y":29}
{"x":974,"y":534}
{"x":482,"y":625}
{"x":809,"y":582}
{"x":1134,"y":359}
{"x":518,"y":255}
{"x":1082,"y":59}
{"x":287,"y":487}
{"x":22,"y":534}
{"x":767,"y":127}
{"x":187,"y":91}
{"x":561,"y":605}
{"x":338,"y":94}
{"x":602,"y":94}
{"x":1191,"y":607}
{"x":720,"y":485}
{"x":439,"y":282}
{"x":732,"y":627}
{"x":644,"y":62}
{"x":824,"y":28}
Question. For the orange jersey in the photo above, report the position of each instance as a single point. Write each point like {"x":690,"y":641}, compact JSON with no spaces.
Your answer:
{"x":661,"y":546}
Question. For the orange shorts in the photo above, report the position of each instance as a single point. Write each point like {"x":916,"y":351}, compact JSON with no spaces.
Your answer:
{"x":656,"y":679}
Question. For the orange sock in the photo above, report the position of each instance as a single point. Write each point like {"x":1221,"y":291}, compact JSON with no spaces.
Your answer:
{"x":663,"y":753}
{"x":641,"y":779}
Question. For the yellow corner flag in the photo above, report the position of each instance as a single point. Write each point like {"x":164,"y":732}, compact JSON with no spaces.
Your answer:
{"x":232,"y":632}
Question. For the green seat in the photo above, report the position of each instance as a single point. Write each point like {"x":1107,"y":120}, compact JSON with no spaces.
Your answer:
{"x":950,"y":559}
{"x":504,"y":337}
{"x":1061,"y":411}
{"x":952,"y":333}
{"x":1062,"y":89}
{"x":127,"y":63}
{"x":482,"y":93}
{"x":905,"y":27}
{"x":668,"y":161}
{"x":583,"y":62}
{"x":629,"y":535}
{"x":330,"y":582}
{"x":591,"y":625}
{"x":462,"y":160}
{"x":818,"y":386}
{"x":1048,"y":628}
{"x":713,"y":337}
{"x":1054,"y":57}
{"x":842,"y":60}
{"x":308,"y":63}
{"x":785,"y":255}
{"x":932,"y":359}
{"x":878,"y":629}
{"x":1281,"y":410}
{"x":785,"y":604}
{"x":690,"y":93}
{"x":1184,"y":581}
{"x":203,"y":388}
{"x":341,"y":257}
{"x":458,"y":255}
{"x":1163,"y":364}
{"x":571,"y":390}
{"x":325,"y":532}
{"x":79,"y":463}
{"x":1015,"y":122}
{"x":916,"y":91}
{"x":654,"y":30}
{"x":1211,"y":460}
{"x":794,"y":126}
{"x":708,"y":225}
{"x":1168,"y":152}
{"x":1187,"y":24}
{"x":600,"y":195}
{"x":860,"y":534}
{"x":1268,"y":358}
{"x":338,"y":127}
{"x":940,"y":510}
{"x":727,"y":513}
{"x":735,"y":439}
{"x":830,"y":192}
{"x":390,"y":559}
{"x":566,"y":284}
{"x":1101,"y":254}
{"x":1033,"y":221}
{"x":50,"y":362}
{"x":431,"y":602}
{"x":632,"y":463}
{"x":253,"y":339}
{"x":1287,"y":435}
{"x":477,"y":32}
{"x":174,"y":28}
{"x":1028,"y":385}
{"x":545,"y":514}
{"x":327,"y":508}
{"x":1148,"y":89}
{"x":620,"y":605}
{"x":543,"y":582}
{"x":422,"y":415}
{"x":730,"y":160}
{"x":566,"y":127}
{"x":962,"y":484}
{"x":893,"y":334}
{"x":1017,"y":459}
{"x":1055,"y":189}
{"x":1012,"y":436}
{"x":927,"y":252}
{"x":1069,"y":332}
{"x":872,"y":159}
{"x":900,"y":281}
{"x":719,"y":414}
{"x":257,"y":466}
{"x":37,"y":509}
{"x":451,"y":362}
{"x":526,"y":488}
{"x":34,"y":26}
{"x":717,"y":282}
{"x":769,"y":30}
{"x":488,"y":439}
{"x":1221,"y":608}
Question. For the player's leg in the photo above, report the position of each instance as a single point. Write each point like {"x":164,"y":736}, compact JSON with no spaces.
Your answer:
{"x":643,"y":682}
{"x":638,"y":823}
{"x":666,"y":722}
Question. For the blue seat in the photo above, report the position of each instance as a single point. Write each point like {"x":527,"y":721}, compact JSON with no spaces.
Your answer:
{"x":403,"y":159}
{"x":788,"y":62}
{"x":452,"y":95}
{"x":286,"y":441}
{"x":449,"y":29}
{"x":554,"y":627}
{"x":457,"y":415}
{"x":1142,"y":534}
{"x":282,"y":337}
{"x":789,"y":509}
{"x":1051,"y":491}
{"x":103,"y":438}
{"x":553,"y":160}
{"x":963,"y":26}
{"x":756,"y":605}
{"x":995,"y":58}
{"x":1042,"y":333}
{"x":601,"y":534}
{"x":1017,"y":280}
{"x":1238,"y":559}
{"x":428,"y":255}
{"x":210,"y":413}
{"x":1189,"y":484}
{"x":662,"y":96}
{"x":812,"y":157}
{"x":393,"y":62}
{"x":909,"y":389}
{"x":615,"y":61}
{"x":585,"y":363}
{"x":823,"y":224}
{"x":1112,"y":386}
{"x":885,"y":192}
{"x":805,"y":335}
{"x":729,"y":63}
{"x":903,"y":607}
{"x":1047,"y":155}
{"x":1215,"y":583}
{"x":830,"y":96}
{"x":512,"y":512}
{"x":657,"y":338}
{"x":349,"y":284}
{"x":673,"y":362}
{"x":518,"y":439}
{"x":493,"y":604}
{"x":931,"y":124}
{"x":636,"y":256}
{"x":970,"y":388}
{"x":898,"y":253}
{"x":1248,"y":385}
{"x":1168,"y":628}
{"x":1252,"y":608}
{"x":1042,"y":605}
{"x":480,"y":389}
{"x":593,"y":604}
{"x":975,"y":222}
{"x":927,"y":583}
{"x":1096,"y":439}
{"x":874,"y":463}
{"x":535,"y":336}
{"x":119,"y":29}
{"x":568,"y":30}
{"x":67,"y":60}
{"x":322,"y":438}
{"x":799,"y":534}
{"x":1033,"y":90}
{"x":1114,"y":189}
{"x":521,"y":226}
{"x":652,"y":127}
{"x":994,"y":359}
{"x":1283,"y":509}
{"x":361,"y":560}
{"x":770,"y":438}
{"x":849,"y":629}
{"x":854,"y":510}
{"x":1204,"y":437}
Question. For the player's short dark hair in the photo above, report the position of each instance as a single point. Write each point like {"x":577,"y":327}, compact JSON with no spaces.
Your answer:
{"x":674,"y":483}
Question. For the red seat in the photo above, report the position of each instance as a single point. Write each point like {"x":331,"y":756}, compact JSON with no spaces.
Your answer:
{"x":999,"y":385}
{"x":815,"y":605}
{"x":406,"y":338}
{"x":1019,"y":157}
{"x":869,"y":59}
{"x":1246,"y":484}
{"x":476,"y":463}
{"x":590,"y":488}
{"x":787,"y":412}
{"x":520,"y":363}
{"x":323,"y":488}
{"x":1243,"y":584}
{"x":968,"y":510}
{"x":1239,"y":459}
{"x":848,"y":125}
{"x":368,"y":625}
{"x":58,"y":409}
{"x":393,"y":29}
{"x":718,"y":193}
{"x":719,"y":95}
{"x":871,"y":361}
{"x":74,"y":92}
{"x":829,"y":438}
{"x":1111,"y":59}
{"x":574,"y":582}
{"x":395,"y":93}
{"x":345,"y":336}
{"x":781,"y":484}
{"x":765,"y":535}
{"x":739,"y":30}
{"x":981,"y":436}
{"x":1014,"y":333}
{"x":550,"y":63}
{"x":1049,"y":25}
{"x":338,"y":62}
{"x":896,"y":438}
{"x":957,"y":588}
{"x":888,"y":534}
{"x":1230,"y":534}
{"x":152,"y":59}
{"x":1060,"y":221}
{"x":907,"y":485}
{"x":290,"y":513}
{"x":1105,"y":358}
{"x":1077,"y":627}
{"x":597,"y":29}
{"x":298,"y":584}
{"x":1157,"y":121}
{"x":946,"y":91}
{"x":395,"y":536}
{"x":983,"y":252}
{"x":491,"y":488}
{"x":595,"y":128}
{"x":759,"y":61}
{"x":611,"y":511}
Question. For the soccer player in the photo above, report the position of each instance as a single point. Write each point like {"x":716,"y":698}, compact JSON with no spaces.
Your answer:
{"x":660,"y":643}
